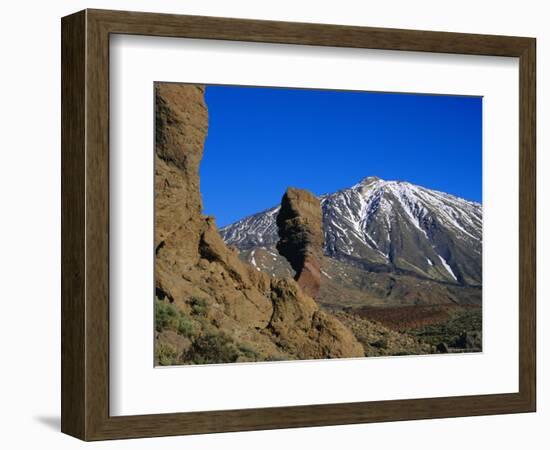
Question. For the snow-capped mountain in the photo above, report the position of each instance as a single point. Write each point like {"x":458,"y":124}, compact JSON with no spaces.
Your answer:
{"x":388,"y":226}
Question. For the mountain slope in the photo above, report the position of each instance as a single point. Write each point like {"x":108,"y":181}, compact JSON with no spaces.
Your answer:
{"x":388,"y":226}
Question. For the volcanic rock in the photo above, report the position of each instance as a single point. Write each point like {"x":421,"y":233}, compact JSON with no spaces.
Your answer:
{"x":303,"y":329}
{"x":300,"y":228}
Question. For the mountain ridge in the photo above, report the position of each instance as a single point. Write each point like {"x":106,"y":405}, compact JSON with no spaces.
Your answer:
{"x":392,"y":226}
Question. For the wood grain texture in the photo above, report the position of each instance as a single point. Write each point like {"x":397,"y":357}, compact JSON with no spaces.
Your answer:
{"x":152,"y":24}
{"x":85,"y":224}
{"x":97,"y":225}
{"x":527,"y":224}
{"x":73,"y":111}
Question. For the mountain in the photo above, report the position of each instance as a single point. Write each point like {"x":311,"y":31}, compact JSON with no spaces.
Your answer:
{"x":385,"y":227}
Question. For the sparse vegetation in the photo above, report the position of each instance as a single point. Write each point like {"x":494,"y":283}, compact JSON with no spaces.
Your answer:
{"x":166,"y":355}
{"x":377,"y":340}
{"x":185,"y":326}
{"x":457,"y":330}
{"x":248,"y":352}
{"x":462,"y":332}
{"x":213,"y":348}
{"x":199,"y":306}
{"x":207,"y":344}
{"x":167,"y":317}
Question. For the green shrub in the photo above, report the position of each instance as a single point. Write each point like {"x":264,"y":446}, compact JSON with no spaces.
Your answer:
{"x":185,"y":326}
{"x":198,"y":306}
{"x":166,"y":355}
{"x":166,"y":316}
{"x":213,"y":349}
{"x":248,"y":352}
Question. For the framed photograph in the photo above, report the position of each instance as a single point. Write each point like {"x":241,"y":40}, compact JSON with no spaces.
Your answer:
{"x":272,"y":225}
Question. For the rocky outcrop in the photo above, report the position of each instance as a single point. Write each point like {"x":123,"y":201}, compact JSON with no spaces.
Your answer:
{"x":211,"y":307}
{"x":300,"y":227}
{"x":304,"y":330}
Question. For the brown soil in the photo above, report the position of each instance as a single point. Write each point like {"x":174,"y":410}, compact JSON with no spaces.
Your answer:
{"x":402,"y":318}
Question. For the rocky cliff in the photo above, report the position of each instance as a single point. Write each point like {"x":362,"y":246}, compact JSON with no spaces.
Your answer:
{"x":211,"y":307}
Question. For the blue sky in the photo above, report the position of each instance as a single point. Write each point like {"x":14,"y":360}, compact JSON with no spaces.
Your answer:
{"x":262,"y":140}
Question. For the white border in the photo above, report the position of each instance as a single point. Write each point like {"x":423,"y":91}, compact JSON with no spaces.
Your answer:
{"x":136,"y":387}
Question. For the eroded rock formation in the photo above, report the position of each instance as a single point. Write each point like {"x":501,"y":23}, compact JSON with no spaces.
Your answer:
{"x":212,"y":307}
{"x":300,"y":226}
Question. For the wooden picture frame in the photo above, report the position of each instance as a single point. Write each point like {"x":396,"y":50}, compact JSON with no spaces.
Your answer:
{"x":85,"y":224}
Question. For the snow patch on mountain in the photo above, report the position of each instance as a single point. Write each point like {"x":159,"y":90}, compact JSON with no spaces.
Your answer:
{"x":447,"y":267}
